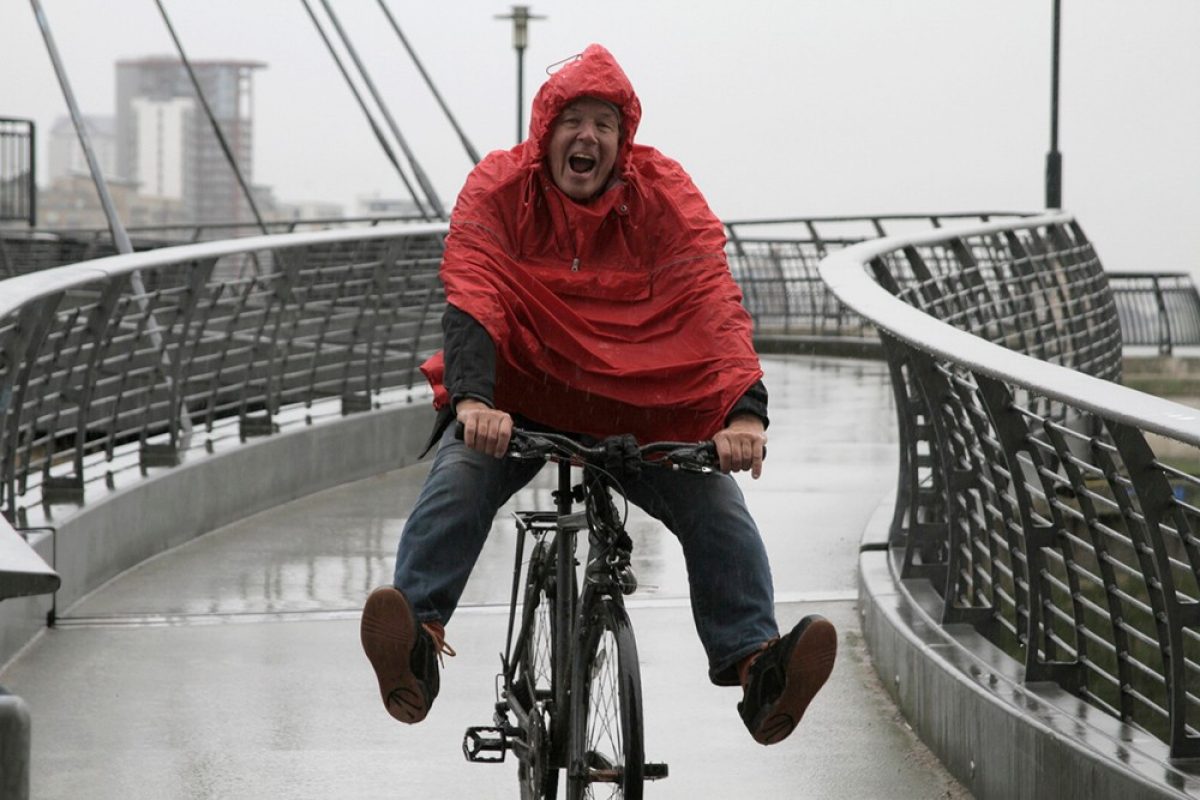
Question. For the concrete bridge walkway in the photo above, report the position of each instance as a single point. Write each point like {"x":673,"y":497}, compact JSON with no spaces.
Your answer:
{"x":230,"y":667}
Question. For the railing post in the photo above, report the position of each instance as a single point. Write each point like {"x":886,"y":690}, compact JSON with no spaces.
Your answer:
{"x":1164,"y":320}
{"x":814,"y":290}
{"x":20,"y":353}
{"x":14,"y":747}
{"x":912,"y":434}
{"x":932,"y":529}
{"x":1114,"y":600}
{"x":1012,"y":432}
{"x":1155,"y":499}
{"x":178,"y":414}
{"x":363,"y":333}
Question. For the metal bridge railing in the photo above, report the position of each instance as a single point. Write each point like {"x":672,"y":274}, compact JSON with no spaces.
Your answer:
{"x":18,"y":185}
{"x":775,"y":262}
{"x":1054,"y":510}
{"x":92,"y":368}
{"x":25,"y":251}
{"x":1157,"y":310}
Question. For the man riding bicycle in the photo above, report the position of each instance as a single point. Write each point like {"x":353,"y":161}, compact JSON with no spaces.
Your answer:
{"x":588,"y":293}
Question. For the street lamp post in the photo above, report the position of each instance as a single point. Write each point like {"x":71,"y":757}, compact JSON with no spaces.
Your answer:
{"x":1054,"y":158}
{"x":520,"y":17}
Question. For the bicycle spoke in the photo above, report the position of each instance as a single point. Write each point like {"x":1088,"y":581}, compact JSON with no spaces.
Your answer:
{"x":541,"y":646}
{"x":605,"y":748}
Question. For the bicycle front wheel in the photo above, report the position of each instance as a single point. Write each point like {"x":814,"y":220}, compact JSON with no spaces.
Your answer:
{"x":606,"y":709}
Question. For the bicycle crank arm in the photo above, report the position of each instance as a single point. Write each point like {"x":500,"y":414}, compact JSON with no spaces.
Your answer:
{"x":485,"y":745}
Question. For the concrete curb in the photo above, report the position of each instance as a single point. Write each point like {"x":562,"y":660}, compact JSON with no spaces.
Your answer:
{"x":966,"y":700}
{"x":842,"y":347}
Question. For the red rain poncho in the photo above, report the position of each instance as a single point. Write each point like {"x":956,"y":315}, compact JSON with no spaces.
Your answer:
{"x":615,"y":316}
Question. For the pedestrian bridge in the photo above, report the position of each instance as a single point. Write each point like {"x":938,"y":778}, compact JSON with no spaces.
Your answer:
{"x":214,"y":447}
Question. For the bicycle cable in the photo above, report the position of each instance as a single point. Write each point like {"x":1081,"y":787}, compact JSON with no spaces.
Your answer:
{"x":622,"y":517}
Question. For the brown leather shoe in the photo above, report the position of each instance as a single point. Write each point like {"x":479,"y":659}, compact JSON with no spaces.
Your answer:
{"x":404,"y":654}
{"x":784,"y":677}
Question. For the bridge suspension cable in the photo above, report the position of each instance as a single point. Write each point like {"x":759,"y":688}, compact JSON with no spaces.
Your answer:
{"x":379,"y":134}
{"x":421,"y":178}
{"x":115,"y":226}
{"x":472,"y":153}
{"x":212,"y":119}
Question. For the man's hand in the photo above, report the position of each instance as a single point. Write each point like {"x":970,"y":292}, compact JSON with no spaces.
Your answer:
{"x":742,"y":445}
{"x":485,"y":429}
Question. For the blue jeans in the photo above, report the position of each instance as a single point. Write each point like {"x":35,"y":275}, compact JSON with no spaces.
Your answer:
{"x":728,"y":574}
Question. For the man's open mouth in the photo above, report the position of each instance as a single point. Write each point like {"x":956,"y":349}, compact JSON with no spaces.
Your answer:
{"x":581,"y":164}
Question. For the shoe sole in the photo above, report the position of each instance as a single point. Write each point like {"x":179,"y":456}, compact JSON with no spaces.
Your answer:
{"x":389,"y":631}
{"x":808,"y":668}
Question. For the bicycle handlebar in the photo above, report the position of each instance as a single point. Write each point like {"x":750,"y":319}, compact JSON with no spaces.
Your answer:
{"x":526,"y":444}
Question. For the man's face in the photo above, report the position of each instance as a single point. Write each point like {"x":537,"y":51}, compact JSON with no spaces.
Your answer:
{"x":583,"y":148}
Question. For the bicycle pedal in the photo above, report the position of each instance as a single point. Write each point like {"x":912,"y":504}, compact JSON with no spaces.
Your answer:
{"x":485,"y":745}
{"x":654,"y":771}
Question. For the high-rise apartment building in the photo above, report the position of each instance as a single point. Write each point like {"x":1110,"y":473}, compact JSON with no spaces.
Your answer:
{"x":166,"y":143}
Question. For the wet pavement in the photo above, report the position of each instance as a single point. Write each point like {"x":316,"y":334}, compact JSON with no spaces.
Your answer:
{"x":230,"y":667}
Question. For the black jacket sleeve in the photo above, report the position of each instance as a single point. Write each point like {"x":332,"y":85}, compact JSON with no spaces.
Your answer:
{"x":754,"y":401}
{"x":470,"y":357}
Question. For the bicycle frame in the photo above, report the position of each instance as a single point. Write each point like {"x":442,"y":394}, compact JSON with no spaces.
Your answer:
{"x":565,"y":526}
{"x":604,"y":565}
{"x":582,"y":615}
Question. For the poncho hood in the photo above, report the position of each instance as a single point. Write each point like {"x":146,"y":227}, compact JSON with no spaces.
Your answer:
{"x":594,"y":73}
{"x":618,"y":315}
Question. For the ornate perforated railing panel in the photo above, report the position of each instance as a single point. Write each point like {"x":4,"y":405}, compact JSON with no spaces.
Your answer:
{"x":1051,"y":508}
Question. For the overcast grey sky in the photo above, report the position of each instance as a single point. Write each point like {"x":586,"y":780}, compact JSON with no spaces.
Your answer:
{"x":789,"y":108}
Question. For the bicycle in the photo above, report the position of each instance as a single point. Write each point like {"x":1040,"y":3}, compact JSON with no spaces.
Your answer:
{"x":569,"y":693}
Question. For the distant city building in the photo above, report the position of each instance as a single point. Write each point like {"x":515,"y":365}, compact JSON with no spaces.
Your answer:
{"x":309,"y":210}
{"x":160,"y":130}
{"x":163,"y":163}
{"x":386,"y":207}
{"x":167,"y":144}
{"x":71,"y":202}
{"x":265,"y":200}
{"x":64,"y":156}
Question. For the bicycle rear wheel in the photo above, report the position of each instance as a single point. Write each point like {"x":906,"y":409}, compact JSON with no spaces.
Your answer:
{"x":606,"y":755}
{"x":535,"y":668}
{"x":536,"y":775}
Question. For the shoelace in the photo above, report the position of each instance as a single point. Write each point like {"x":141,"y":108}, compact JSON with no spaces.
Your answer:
{"x":748,"y":661}
{"x":437,"y":632}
